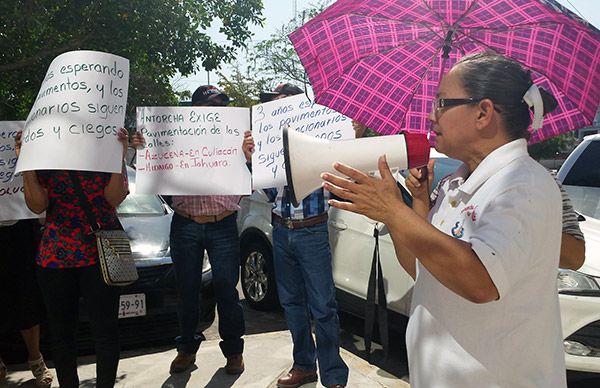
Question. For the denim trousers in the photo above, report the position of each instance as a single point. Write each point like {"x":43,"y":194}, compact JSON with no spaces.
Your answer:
{"x":61,"y":289}
{"x":220,"y":239}
{"x":302,"y":261}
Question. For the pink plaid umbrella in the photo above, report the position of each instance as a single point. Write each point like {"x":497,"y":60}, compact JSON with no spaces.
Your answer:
{"x":380,"y":61}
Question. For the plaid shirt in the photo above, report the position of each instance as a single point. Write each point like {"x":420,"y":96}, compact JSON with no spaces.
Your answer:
{"x":313,"y":205}
{"x":206,"y":205}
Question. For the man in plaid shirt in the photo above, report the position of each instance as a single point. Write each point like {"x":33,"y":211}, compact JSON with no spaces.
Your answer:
{"x":208,"y":222}
{"x":303,"y":273}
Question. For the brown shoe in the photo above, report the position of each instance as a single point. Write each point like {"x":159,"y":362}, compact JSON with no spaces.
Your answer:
{"x":235,"y":365}
{"x":297,"y":377}
{"x":182,"y":362}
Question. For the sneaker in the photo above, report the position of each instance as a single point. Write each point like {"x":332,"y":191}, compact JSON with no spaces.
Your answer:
{"x":43,"y":376}
{"x":235,"y":365}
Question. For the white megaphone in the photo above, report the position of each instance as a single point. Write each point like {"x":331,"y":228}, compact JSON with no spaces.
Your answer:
{"x":306,"y":157}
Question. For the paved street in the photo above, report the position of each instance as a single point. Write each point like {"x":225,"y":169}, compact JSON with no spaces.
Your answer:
{"x":268,"y":354}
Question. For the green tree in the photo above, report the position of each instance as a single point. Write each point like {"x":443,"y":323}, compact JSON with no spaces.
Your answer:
{"x":553,"y":147}
{"x":244,"y":86}
{"x":276,"y":56}
{"x":159,"y":37}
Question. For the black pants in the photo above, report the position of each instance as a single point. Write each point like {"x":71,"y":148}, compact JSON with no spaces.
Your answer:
{"x":61,"y":289}
{"x":20,"y":298}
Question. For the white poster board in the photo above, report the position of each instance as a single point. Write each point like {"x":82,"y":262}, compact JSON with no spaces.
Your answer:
{"x":75,"y":118}
{"x":12,"y":200}
{"x":301,"y":114}
{"x":192,"y":151}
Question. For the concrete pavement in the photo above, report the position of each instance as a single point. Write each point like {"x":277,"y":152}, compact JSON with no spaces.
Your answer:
{"x":267,"y":356}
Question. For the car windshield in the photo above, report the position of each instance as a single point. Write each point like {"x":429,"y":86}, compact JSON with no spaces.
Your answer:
{"x":583,"y":181}
{"x":141,"y":204}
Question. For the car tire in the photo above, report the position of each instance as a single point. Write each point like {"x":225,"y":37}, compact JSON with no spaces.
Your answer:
{"x":258,"y":276}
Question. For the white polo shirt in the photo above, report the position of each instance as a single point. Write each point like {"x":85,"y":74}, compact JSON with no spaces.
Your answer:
{"x":509,"y":210}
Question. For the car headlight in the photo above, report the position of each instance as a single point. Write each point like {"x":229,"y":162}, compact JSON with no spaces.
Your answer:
{"x":573,"y":281}
{"x":148,"y":250}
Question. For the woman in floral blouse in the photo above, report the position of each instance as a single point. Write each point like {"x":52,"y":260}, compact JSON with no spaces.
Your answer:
{"x":68,"y":265}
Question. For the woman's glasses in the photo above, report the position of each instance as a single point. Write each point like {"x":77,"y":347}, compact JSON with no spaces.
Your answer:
{"x":440,"y":103}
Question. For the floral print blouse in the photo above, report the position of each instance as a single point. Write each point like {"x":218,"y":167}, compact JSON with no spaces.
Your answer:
{"x":66,"y":239}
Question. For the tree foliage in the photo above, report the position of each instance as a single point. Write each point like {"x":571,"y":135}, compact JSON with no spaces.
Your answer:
{"x":276,"y":56}
{"x":159,"y":37}
{"x":244,"y":87}
{"x":554,"y":147}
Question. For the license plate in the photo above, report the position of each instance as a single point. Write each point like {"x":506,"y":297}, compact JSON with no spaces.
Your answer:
{"x":132,"y":305}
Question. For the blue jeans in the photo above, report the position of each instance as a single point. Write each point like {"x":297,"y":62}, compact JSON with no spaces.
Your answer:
{"x":188,"y":242}
{"x":302,"y":262}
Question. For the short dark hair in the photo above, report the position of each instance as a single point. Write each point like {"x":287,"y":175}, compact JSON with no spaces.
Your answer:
{"x":504,"y":81}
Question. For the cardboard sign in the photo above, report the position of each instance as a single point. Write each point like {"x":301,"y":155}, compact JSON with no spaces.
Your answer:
{"x":268,"y":120}
{"x":12,"y":199}
{"x":78,"y":111}
{"x":192,"y":151}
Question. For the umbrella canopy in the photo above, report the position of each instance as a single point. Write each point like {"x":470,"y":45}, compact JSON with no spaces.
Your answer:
{"x":380,"y":61}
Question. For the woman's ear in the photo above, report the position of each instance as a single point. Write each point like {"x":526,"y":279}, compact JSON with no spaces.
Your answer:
{"x":485,"y":113}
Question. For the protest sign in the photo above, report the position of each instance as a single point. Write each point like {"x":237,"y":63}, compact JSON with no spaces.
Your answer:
{"x":302,"y":115}
{"x":192,"y":151}
{"x":78,"y":111}
{"x":12,"y":199}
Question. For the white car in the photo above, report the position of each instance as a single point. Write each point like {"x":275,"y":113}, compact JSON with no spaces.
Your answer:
{"x":352,"y":243}
{"x":579,"y":291}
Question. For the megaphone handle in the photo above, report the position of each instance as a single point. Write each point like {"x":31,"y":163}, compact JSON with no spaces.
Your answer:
{"x":424,"y":174}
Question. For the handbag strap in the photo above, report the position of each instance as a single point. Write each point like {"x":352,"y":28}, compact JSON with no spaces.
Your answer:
{"x":85,"y":204}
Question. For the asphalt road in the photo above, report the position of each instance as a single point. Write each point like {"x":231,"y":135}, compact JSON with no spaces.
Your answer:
{"x":352,"y":340}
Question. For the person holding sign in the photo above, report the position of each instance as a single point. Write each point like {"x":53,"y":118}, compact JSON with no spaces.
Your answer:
{"x":68,"y":262}
{"x":302,"y":261}
{"x":208,"y":222}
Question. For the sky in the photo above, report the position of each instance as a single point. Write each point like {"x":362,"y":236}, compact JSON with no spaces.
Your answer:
{"x":279,"y":12}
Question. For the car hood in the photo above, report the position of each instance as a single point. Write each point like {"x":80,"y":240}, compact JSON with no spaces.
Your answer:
{"x":591,"y":230}
{"x":149,"y":236}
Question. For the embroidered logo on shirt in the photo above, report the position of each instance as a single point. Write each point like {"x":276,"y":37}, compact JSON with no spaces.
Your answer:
{"x":458,"y":231}
{"x":470,"y":210}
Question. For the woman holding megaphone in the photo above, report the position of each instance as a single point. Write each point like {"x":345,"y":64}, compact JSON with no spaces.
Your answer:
{"x":485,"y":307}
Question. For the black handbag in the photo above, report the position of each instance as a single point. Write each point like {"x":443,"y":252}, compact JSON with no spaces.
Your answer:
{"x":114,"y":251}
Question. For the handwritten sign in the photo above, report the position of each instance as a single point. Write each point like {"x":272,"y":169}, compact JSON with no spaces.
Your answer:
{"x":268,"y":121}
{"x":77,"y":113}
{"x":12,"y":200}
{"x":193,"y":151}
